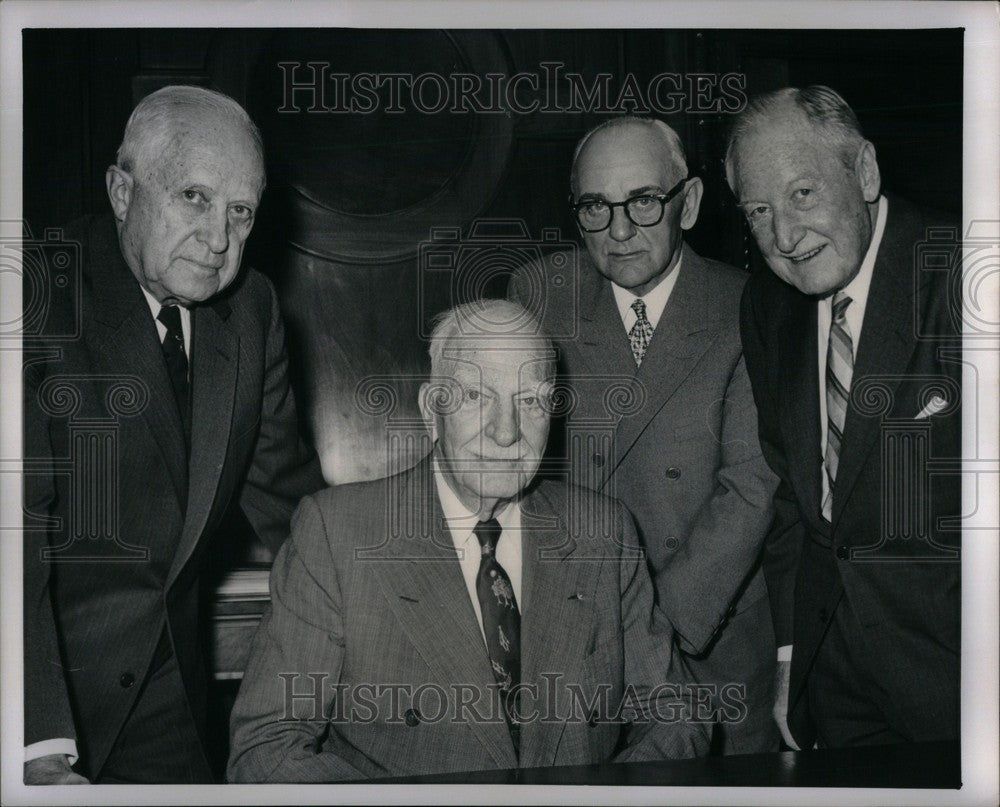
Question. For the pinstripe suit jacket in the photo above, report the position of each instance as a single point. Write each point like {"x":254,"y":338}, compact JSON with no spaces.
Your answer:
{"x":115,"y":537}
{"x":368,"y":593}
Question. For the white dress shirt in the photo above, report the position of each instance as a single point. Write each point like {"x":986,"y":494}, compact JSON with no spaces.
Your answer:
{"x":857,"y":290}
{"x":656,"y":300}
{"x":161,"y":329}
{"x":460,"y":521}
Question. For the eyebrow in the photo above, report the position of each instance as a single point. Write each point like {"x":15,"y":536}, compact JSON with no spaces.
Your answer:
{"x":644,"y":190}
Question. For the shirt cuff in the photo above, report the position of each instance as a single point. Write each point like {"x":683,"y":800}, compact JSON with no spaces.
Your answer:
{"x":59,"y":745}
{"x":785,"y":653}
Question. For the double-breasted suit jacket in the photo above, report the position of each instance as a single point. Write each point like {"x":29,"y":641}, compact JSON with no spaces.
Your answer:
{"x":677,"y":443}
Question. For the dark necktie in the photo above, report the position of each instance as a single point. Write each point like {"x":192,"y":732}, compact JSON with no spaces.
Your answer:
{"x":177,"y":363}
{"x":839,"y":370}
{"x":641,"y":333}
{"x":501,"y":623}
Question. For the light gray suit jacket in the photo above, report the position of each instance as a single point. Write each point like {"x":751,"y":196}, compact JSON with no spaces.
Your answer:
{"x":368,"y":593}
{"x":676,"y":441}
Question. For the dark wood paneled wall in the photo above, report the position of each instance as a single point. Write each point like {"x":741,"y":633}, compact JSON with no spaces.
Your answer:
{"x":350,"y":198}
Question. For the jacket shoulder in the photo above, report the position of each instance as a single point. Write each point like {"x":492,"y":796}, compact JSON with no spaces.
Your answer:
{"x":722,"y":278}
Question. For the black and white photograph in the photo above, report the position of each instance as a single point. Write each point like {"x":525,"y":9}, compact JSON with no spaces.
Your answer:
{"x":462,"y":402}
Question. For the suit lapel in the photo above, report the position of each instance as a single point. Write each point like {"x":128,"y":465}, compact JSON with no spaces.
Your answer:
{"x":685,"y":331}
{"x":424,"y":587}
{"x":550,"y":585}
{"x":603,"y":343}
{"x":887,"y":345}
{"x":214,"y":364}
{"x":127,"y":343}
{"x":799,"y":402}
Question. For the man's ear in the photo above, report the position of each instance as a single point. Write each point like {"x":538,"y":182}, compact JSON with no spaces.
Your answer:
{"x":866,"y":170}
{"x":426,"y":408}
{"x":692,"y":202}
{"x":120,"y":185}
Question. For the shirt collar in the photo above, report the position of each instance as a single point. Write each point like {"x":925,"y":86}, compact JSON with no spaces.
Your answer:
{"x":656,"y":300}
{"x":155,"y":305}
{"x":857,"y":289}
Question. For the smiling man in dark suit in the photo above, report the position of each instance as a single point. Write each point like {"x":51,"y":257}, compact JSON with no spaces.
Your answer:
{"x":854,"y":355}
{"x":182,"y":357}
{"x":645,"y":313}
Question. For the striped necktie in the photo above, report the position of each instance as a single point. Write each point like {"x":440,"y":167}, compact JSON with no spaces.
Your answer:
{"x":839,"y":369}
{"x":641,"y":332}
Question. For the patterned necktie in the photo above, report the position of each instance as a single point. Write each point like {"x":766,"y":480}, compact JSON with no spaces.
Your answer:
{"x":501,"y":622}
{"x":839,"y":369}
{"x":641,"y":332}
{"x":177,"y":363}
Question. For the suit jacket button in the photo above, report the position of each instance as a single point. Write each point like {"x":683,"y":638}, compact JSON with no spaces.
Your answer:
{"x":412,"y":717}
{"x":843,"y":553}
{"x":673,"y":473}
{"x":126,"y":680}
{"x":598,"y":460}
{"x":670,"y":542}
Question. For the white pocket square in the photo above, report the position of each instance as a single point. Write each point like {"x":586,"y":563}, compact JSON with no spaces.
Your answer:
{"x":935,"y":405}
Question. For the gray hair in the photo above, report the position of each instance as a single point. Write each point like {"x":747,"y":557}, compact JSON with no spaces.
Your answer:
{"x":675,"y":148}
{"x":830,"y":115}
{"x":491,"y":322}
{"x":151,"y":125}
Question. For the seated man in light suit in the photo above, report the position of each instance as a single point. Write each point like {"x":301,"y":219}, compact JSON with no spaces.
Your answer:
{"x":451,"y":618}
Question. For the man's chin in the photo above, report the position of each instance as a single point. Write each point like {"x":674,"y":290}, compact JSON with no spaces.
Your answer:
{"x":500,"y":485}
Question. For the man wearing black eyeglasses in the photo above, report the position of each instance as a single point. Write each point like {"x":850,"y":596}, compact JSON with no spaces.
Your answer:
{"x":643,"y":315}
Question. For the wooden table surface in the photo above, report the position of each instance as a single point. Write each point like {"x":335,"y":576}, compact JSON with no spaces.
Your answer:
{"x":917,"y":765}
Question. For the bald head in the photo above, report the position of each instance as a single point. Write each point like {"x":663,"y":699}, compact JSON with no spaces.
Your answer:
{"x":662,"y":139}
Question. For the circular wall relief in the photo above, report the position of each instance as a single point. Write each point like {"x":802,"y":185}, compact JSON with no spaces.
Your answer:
{"x":368,"y":144}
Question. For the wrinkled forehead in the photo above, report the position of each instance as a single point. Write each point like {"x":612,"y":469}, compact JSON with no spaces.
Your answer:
{"x":788,"y":136}
{"x":521,"y":361}
{"x":214,"y":138}
{"x":622,"y":151}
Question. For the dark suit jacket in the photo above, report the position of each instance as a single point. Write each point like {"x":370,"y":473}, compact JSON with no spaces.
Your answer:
{"x":368,"y":592}
{"x":114,"y":542}
{"x":685,"y":461}
{"x":906,"y":593}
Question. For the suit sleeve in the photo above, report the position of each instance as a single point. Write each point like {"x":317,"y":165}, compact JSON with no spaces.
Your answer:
{"x":706,"y":576}
{"x":298,"y":650}
{"x":284,"y":468}
{"x":783,"y":542}
{"x":661,"y":727}
{"x":47,"y":713}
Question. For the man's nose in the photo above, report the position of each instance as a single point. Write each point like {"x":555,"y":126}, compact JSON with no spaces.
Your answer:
{"x":501,"y":425}
{"x":214,"y":230}
{"x":788,"y":231}
{"x":621,"y":227}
